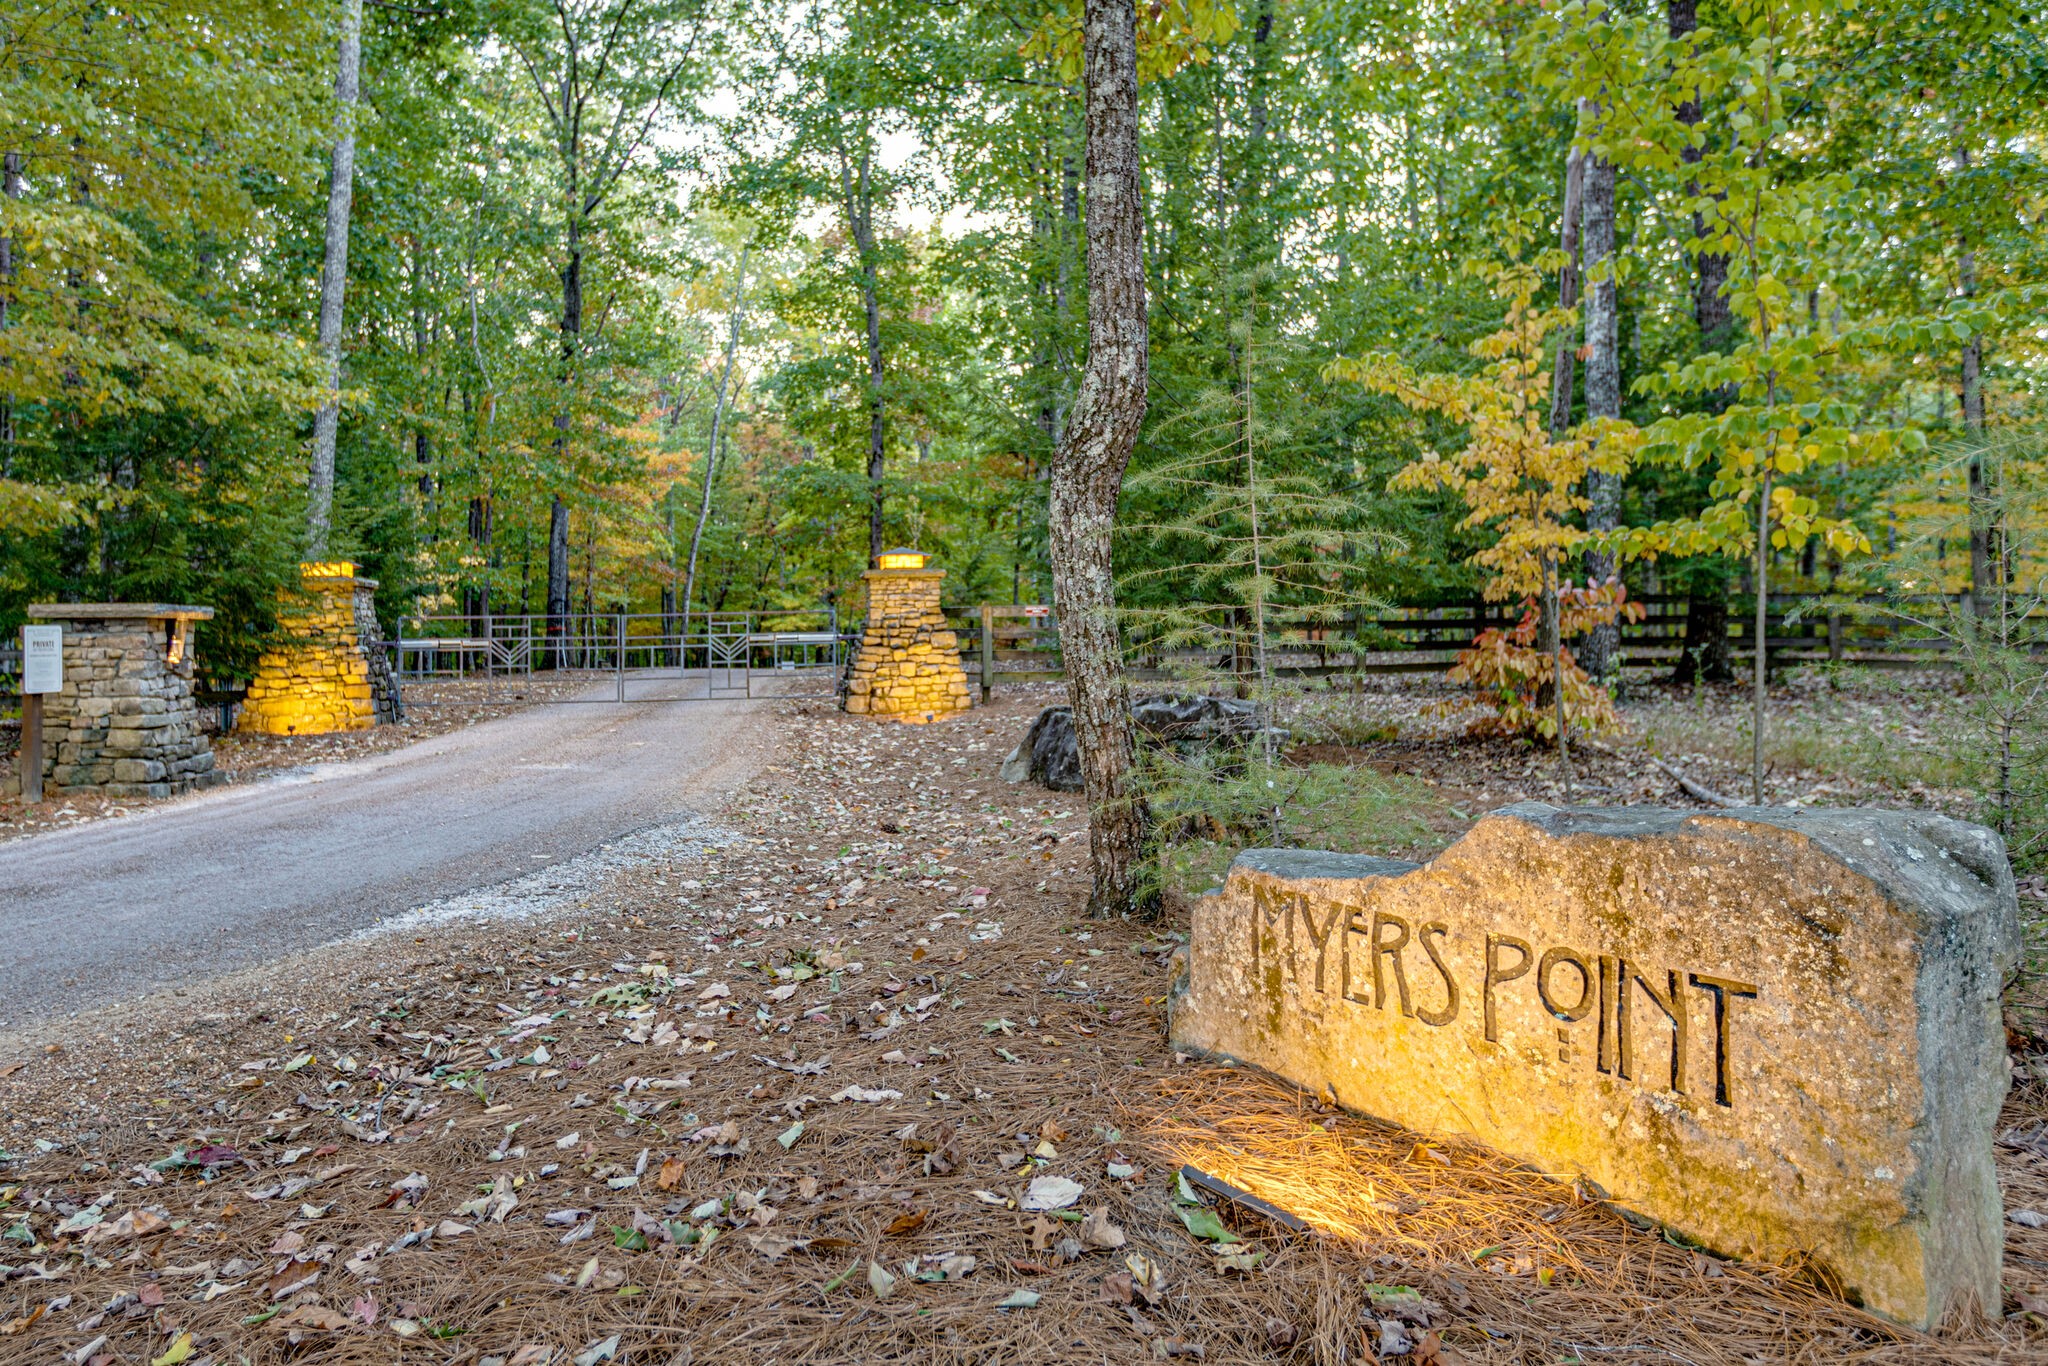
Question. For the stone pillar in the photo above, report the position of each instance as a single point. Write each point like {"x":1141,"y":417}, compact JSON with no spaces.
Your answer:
{"x":126,"y":723}
{"x":320,"y":675}
{"x":908,"y":666}
{"x":369,"y":640}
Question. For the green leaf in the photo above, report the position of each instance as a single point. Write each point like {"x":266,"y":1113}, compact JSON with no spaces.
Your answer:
{"x":1203,"y":1223}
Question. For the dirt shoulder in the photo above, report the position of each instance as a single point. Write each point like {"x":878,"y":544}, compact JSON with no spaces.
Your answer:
{"x":780,"y":1098}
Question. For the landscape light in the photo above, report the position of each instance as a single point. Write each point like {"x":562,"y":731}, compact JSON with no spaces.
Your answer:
{"x":901,"y":558}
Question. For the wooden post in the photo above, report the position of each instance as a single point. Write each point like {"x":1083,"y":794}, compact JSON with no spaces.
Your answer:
{"x":988,"y":649}
{"x":30,"y":759}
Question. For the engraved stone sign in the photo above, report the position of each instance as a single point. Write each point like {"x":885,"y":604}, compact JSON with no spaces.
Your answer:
{"x":1773,"y":1031}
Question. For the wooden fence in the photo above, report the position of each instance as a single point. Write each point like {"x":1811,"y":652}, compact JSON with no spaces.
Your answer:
{"x":1005,"y":643}
{"x":1020,"y":644}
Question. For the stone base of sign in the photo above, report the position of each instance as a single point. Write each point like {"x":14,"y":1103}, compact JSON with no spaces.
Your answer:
{"x":1775,"y":1032}
{"x":320,"y":677}
{"x":125,"y":724}
{"x":908,"y":667}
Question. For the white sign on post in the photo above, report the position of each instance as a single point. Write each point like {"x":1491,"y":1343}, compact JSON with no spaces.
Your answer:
{"x":42,"y":659}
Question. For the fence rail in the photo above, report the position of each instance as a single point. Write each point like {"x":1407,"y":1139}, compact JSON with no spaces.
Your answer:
{"x":656,"y":657}
{"x":1015,"y":644}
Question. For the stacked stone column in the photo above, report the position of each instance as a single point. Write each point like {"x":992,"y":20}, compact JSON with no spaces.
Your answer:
{"x":126,"y":723}
{"x":908,"y":666}
{"x":324,"y":673}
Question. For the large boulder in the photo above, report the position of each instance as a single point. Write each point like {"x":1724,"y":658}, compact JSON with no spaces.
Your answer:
{"x":1050,"y":756}
{"x":1775,"y":1032}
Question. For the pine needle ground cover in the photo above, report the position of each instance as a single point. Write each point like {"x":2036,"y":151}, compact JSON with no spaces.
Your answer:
{"x":856,"y":1086}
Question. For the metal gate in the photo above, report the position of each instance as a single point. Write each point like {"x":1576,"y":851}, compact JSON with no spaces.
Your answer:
{"x":620,"y":656}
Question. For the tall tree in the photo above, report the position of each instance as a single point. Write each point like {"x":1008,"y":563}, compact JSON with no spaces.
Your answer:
{"x":1550,"y":629}
{"x":1703,"y":656}
{"x":1982,"y":572}
{"x":857,"y":200}
{"x":1088,"y":469}
{"x":604,"y":76}
{"x":1603,"y":377}
{"x":341,"y":179}
{"x":714,"y":445}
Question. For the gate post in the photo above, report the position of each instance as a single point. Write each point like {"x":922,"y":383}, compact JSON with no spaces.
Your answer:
{"x":619,"y":623}
{"x":988,"y":649}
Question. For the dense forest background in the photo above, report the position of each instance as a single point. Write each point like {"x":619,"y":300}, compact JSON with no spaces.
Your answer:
{"x":823,"y":259}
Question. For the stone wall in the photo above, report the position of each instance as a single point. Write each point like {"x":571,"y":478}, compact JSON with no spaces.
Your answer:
{"x":1775,"y":1032}
{"x":126,"y":723}
{"x":384,"y":699}
{"x":318,"y":676}
{"x":908,"y":667}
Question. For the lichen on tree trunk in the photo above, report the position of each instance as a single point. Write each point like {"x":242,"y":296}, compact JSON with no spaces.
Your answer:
{"x":1088,"y":468}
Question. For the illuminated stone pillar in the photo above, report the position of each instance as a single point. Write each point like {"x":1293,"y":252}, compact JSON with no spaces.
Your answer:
{"x":321,"y":676}
{"x":908,"y":666}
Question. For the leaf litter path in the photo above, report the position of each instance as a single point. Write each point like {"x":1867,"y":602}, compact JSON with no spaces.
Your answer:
{"x":853,"y":1087}
{"x":250,"y":873}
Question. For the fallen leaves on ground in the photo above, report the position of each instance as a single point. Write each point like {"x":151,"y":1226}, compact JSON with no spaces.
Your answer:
{"x":862,"y":1058}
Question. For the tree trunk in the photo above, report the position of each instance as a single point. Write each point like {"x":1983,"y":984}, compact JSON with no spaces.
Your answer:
{"x":572,"y":309}
{"x":1562,"y":376}
{"x":1088,"y":468}
{"x":877,"y":416}
{"x":732,"y":346}
{"x":477,"y":601}
{"x":1600,"y":654}
{"x":1982,"y":576}
{"x":1704,"y":657}
{"x":1762,"y":637}
{"x":1710,"y":312}
{"x":10,"y":185}
{"x":558,"y":515}
{"x":558,"y":580}
{"x":422,"y":448}
{"x":857,"y":194}
{"x":334,"y":279}
{"x":1563,"y":372}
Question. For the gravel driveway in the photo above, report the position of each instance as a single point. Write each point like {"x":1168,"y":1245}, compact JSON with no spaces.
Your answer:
{"x":248,"y":874}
